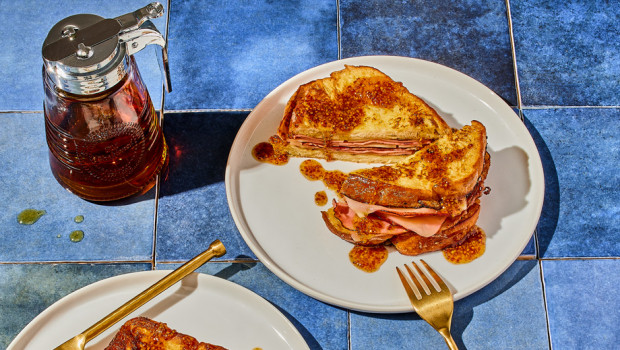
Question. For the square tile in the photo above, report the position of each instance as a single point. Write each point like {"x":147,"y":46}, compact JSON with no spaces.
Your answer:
{"x":324,"y":327}
{"x":568,"y":52}
{"x":121,"y":230}
{"x":193,"y":209}
{"x":471,"y":37}
{"x":229,"y":55}
{"x":583,"y":303}
{"x":30,"y":22}
{"x":27,"y":290}
{"x":487,"y":319}
{"x":580,"y":151}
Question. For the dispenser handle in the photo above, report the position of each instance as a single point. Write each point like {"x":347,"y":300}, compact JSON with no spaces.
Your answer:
{"x":133,"y":20}
{"x":137,"y":31}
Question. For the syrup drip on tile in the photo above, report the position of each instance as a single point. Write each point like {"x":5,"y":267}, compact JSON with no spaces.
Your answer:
{"x":369,"y":258}
{"x":30,"y":216}
{"x":76,"y":236}
{"x":471,"y":249}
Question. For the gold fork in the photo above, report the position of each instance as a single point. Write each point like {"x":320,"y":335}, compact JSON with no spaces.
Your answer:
{"x":433,"y":303}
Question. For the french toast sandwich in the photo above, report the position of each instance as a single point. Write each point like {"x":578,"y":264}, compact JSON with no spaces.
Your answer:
{"x":142,"y":333}
{"x":358,"y":114}
{"x":426,"y":202}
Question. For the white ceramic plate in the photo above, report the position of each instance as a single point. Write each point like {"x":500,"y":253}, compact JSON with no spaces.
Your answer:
{"x":209,"y":308}
{"x":274,"y":208}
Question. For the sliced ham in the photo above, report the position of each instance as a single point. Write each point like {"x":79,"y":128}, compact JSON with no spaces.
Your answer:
{"x":425,"y":226}
{"x":390,"y":147}
{"x":363,"y":209}
{"x":346,"y":215}
{"x":390,"y":221}
{"x":301,"y":139}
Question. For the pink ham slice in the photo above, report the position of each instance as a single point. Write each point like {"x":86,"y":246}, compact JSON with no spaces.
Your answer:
{"x":423,"y":221}
{"x":425,"y":226}
{"x":363,"y":209}
{"x":392,"y":147}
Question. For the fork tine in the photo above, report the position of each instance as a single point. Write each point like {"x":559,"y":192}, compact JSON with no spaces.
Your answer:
{"x":410,"y":293}
{"x":437,"y":306}
{"x":442,"y":285}
{"x":428,"y":283}
{"x":421,"y":287}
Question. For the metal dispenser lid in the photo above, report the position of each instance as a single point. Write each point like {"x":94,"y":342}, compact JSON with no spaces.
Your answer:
{"x":86,"y":54}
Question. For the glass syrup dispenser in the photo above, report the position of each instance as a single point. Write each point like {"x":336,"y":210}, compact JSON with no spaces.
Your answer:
{"x":104,"y":137}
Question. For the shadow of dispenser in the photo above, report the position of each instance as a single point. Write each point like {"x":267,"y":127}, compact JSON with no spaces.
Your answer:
{"x":104,"y":137}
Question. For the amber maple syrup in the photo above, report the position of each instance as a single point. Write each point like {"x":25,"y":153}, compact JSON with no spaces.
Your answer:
{"x":105,"y":146}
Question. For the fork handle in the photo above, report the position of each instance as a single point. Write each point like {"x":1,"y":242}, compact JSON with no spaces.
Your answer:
{"x":445,"y":333}
{"x":215,"y":249}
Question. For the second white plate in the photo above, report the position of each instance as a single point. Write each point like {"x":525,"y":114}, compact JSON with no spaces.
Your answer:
{"x":209,"y":308}
{"x":274,"y":209}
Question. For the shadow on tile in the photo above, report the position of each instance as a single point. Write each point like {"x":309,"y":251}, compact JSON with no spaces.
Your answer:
{"x":551,"y":207}
{"x":464,"y":309}
{"x":198,"y":147}
{"x":148,"y":196}
{"x":313,"y":344}
{"x":321,"y":325}
{"x":477,"y":318}
{"x":227,"y":272}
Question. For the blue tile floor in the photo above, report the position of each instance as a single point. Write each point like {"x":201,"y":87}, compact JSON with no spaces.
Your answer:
{"x":193,"y":210}
{"x":583,"y":303}
{"x":556,"y":62}
{"x":236,"y":65}
{"x":567,"y":52}
{"x":29,"y":184}
{"x":474,"y":39}
{"x":580,"y":214}
{"x":480,"y":321}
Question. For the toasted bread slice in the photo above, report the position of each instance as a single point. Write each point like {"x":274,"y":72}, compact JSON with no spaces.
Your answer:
{"x":141,"y":333}
{"x":446,"y":170}
{"x":358,"y":114}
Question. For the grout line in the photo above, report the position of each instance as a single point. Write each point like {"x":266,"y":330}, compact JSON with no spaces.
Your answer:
{"x":536,"y":243}
{"x":68,"y":262}
{"x":245,"y":261}
{"x":526,"y":257}
{"x":207,"y":110}
{"x":514,"y":56}
{"x":521,"y":116}
{"x":349,"y":343}
{"x":570,"y":107}
{"x":155,"y":217}
{"x":230,"y":261}
{"x":21,"y":112}
{"x":338,"y":33}
{"x":159,"y":177}
{"x":569,"y":258}
{"x":544,"y":296}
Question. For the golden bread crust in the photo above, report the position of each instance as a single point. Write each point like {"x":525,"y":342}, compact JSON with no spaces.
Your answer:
{"x":450,"y":167}
{"x":142,"y":333}
{"x":358,"y":103}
